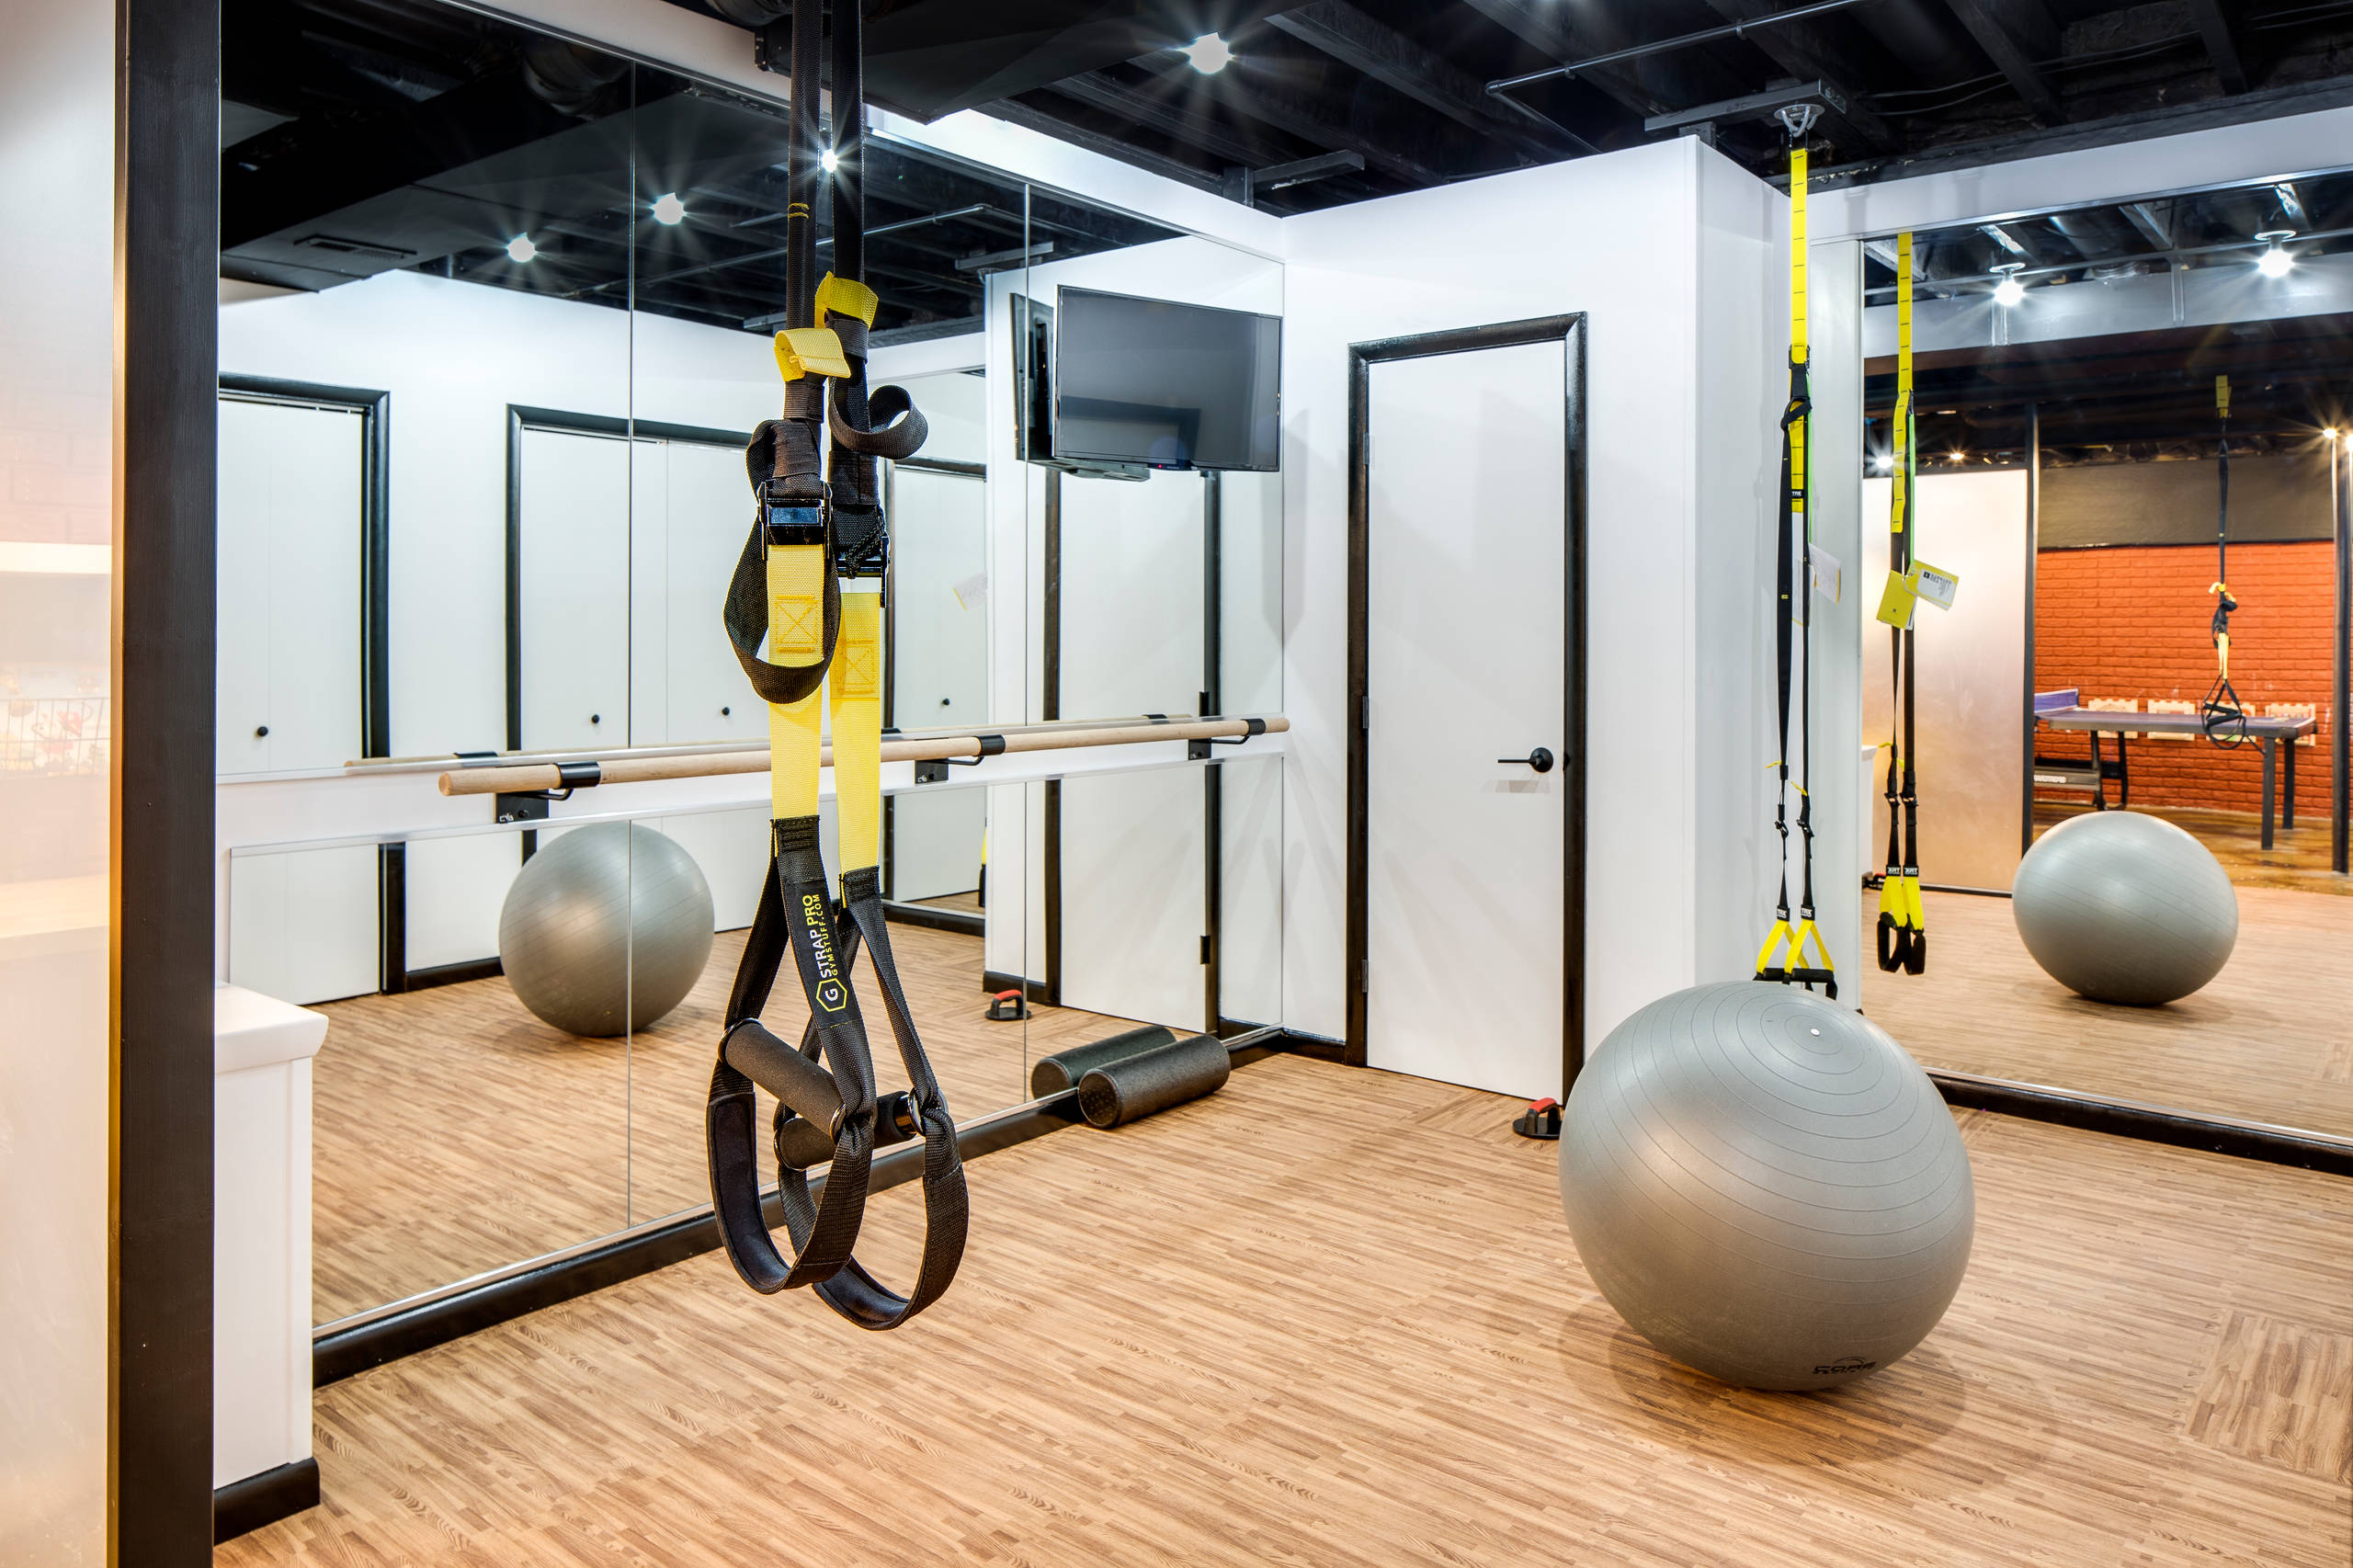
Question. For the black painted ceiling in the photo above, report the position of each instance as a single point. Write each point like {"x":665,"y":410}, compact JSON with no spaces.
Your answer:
{"x":361,"y":136}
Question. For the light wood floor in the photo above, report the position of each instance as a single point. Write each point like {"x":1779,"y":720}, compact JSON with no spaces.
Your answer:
{"x":2299,"y":859}
{"x":455,"y":1132}
{"x":2270,"y":1038}
{"x":1331,"y":1316}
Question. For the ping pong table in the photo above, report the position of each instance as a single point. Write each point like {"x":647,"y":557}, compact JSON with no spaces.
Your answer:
{"x":2061,"y":710}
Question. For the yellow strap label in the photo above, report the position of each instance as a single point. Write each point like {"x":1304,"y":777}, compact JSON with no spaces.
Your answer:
{"x":810,"y":351}
{"x":844,"y":297}
{"x":856,"y":689}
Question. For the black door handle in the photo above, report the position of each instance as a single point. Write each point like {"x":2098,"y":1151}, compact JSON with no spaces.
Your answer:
{"x":1539,"y":759}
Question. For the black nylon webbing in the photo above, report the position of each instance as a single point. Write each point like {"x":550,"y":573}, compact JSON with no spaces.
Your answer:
{"x":852,"y":1292}
{"x":794,"y":913}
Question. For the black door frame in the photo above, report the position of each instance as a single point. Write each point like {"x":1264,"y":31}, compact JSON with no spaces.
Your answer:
{"x":1570,"y":331}
{"x":375,"y":411}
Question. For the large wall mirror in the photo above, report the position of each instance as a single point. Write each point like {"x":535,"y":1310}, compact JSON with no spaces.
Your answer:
{"x":2127,"y":413}
{"x":496,"y":319}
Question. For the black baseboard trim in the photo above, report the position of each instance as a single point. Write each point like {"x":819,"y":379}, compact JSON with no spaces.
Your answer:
{"x":453,"y":974}
{"x":346,"y":1352}
{"x":1323,"y":1048}
{"x":996,"y":981}
{"x":2151,"y":1124}
{"x":962,"y":921}
{"x":243,"y":1507}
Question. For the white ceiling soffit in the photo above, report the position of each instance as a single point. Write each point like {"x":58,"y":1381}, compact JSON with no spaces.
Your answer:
{"x":2198,"y":160}
{"x":668,"y":35}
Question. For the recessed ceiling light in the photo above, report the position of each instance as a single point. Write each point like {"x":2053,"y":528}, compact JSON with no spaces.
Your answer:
{"x":1209,"y":54}
{"x":520,"y":248}
{"x":668,"y":209}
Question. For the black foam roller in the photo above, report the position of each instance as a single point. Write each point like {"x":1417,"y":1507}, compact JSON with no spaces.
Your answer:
{"x":1062,"y":1070}
{"x":1135,"y":1086}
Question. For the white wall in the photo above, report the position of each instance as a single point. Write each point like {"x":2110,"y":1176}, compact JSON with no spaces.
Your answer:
{"x":1131,"y":642}
{"x":1616,"y":237}
{"x":57,"y":91}
{"x":454,"y":356}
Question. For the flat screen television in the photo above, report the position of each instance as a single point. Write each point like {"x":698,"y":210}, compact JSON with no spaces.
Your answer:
{"x":1165,"y":385}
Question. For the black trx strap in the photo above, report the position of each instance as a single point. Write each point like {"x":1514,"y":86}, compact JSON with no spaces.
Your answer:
{"x":2225,"y":718}
{"x":1903,"y":919}
{"x":788,"y":587}
{"x":1786,"y":940}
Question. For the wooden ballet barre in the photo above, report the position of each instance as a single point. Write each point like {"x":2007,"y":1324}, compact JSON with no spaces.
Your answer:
{"x":522,"y":779}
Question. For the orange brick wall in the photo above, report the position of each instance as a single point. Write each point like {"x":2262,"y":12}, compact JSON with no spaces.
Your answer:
{"x":2132,"y":621}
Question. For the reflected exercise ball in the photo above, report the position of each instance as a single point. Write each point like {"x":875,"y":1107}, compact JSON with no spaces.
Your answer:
{"x":1765,"y":1187}
{"x":2122,"y":907}
{"x":606,"y":928}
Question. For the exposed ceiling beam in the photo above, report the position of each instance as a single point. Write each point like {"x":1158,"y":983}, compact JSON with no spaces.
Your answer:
{"x":1808,"y":51}
{"x":1389,"y":57}
{"x":1146,"y":106}
{"x":2015,"y":34}
{"x":1260,"y":97}
{"x":1548,"y":27}
{"x":1016,"y":112}
{"x":2214,"y":26}
{"x":1301,"y":171}
{"x":2154,"y":225}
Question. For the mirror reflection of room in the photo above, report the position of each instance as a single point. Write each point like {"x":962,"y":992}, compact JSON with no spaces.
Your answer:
{"x":482,"y":487}
{"x":483,"y":483}
{"x":1142,"y":450}
{"x":2130,"y":421}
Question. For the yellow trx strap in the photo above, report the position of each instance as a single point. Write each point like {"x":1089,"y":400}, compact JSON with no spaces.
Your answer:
{"x":2225,"y":717}
{"x":810,"y":583}
{"x":1793,"y":951}
{"x":1903,"y":919}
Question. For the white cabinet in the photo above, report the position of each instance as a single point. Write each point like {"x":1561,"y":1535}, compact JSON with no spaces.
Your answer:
{"x":291,"y":623}
{"x":261,"y":1232}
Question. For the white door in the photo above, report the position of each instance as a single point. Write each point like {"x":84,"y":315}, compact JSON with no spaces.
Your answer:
{"x":290,"y":596}
{"x":1466,"y":664}
{"x":940,"y":666}
{"x":1126,"y":652}
{"x":708,"y":507}
{"x":574,"y":591}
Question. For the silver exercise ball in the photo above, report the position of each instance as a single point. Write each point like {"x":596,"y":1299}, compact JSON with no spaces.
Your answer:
{"x":606,"y":927}
{"x":1765,"y":1187}
{"x":2122,"y":907}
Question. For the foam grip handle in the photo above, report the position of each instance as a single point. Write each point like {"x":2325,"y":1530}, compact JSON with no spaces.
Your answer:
{"x":1135,"y":1086}
{"x":807,"y":1089}
{"x":1062,"y":1071}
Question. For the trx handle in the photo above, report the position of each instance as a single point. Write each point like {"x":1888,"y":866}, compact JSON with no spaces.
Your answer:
{"x":1789,"y":940}
{"x":793,"y":913}
{"x":922,"y":1112}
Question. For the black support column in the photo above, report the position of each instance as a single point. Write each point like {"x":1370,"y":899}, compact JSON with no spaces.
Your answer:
{"x":159,"y":1460}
